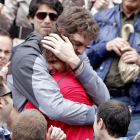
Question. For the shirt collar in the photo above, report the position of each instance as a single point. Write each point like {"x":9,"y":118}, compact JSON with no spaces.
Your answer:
{"x":4,"y":131}
{"x":122,"y":11}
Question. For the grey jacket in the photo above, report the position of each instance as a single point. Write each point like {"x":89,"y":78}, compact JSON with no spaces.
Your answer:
{"x":29,"y":79}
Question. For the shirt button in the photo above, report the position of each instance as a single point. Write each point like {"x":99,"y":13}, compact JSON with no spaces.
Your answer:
{"x":3,"y":131}
{"x":101,"y":68}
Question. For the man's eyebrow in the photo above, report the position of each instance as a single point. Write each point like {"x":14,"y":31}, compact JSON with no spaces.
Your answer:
{"x":5,"y":50}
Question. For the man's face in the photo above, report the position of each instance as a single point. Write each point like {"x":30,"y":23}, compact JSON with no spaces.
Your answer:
{"x":79,"y":43}
{"x":5,"y":50}
{"x":96,"y":128}
{"x":7,"y":105}
{"x":131,"y":5}
{"x":44,"y":25}
{"x":57,"y":66}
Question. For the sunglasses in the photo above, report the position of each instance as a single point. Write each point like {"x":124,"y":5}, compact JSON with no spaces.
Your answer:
{"x":42,"y":15}
{"x":9,"y":93}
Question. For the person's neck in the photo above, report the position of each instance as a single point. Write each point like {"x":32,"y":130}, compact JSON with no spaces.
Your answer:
{"x":1,"y":124}
{"x":128,"y":12}
{"x":1,"y":120}
{"x":106,"y":136}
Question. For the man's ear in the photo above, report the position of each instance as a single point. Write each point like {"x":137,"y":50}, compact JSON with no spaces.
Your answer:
{"x":1,"y":104}
{"x":61,"y":29}
{"x":31,"y":20}
{"x":11,"y":136}
{"x":101,"y":123}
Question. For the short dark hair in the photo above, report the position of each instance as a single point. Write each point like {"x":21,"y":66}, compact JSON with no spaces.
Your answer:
{"x":35,"y":4}
{"x":77,"y":20}
{"x":29,"y":125}
{"x":47,"y":53}
{"x":116,"y":116}
{"x":2,"y":88}
{"x":4,"y":33}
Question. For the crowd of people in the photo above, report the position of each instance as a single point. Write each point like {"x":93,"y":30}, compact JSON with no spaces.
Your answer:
{"x":59,"y":70}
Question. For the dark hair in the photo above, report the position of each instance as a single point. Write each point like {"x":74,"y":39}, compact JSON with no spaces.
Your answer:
{"x":116,"y":116}
{"x":47,"y":53}
{"x":2,"y":88}
{"x":77,"y":20}
{"x":29,"y":125}
{"x":4,"y":33}
{"x":35,"y":4}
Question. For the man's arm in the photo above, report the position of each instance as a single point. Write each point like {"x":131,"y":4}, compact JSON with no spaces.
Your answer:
{"x":92,"y":83}
{"x":98,"y":51}
{"x":32,"y":79}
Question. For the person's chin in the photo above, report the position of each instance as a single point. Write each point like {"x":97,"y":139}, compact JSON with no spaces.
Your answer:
{"x":53,"y":72}
{"x":45,"y":32}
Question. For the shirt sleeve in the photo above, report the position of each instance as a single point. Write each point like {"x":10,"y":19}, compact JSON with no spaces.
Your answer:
{"x":32,"y":79}
{"x":92,"y":83}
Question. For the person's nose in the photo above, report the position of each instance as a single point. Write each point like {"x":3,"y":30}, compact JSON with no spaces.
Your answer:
{"x":47,"y":19}
{"x":2,"y":54}
{"x":81,"y":50}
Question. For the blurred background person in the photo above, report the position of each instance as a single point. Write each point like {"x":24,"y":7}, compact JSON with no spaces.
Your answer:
{"x":14,"y":19}
{"x":111,"y":121}
{"x":32,"y":125}
{"x":5,"y":48}
{"x":6,"y":105}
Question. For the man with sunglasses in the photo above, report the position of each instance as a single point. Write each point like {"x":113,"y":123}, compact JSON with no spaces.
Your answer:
{"x":29,"y":77}
{"x":43,"y":15}
{"x":6,"y":105}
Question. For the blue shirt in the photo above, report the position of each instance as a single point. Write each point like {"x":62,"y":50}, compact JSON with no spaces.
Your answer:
{"x":123,"y":138}
{"x":4,"y":132}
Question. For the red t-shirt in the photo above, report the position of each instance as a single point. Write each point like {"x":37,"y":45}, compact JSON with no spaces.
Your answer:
{"x":72,"y":90}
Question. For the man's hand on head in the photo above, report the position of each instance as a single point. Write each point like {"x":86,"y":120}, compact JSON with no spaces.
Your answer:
{"x":117,"y":45}
{"x":55,"y":133}
{"x":63,"y":49}
{"x":130,"y":55}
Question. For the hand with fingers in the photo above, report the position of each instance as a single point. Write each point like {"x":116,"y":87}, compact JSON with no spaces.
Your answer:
{"x":55,"y":133}
{"x":4,"y":72}
{"x":130,"y":55}
{"x":117,"y":45}
{"x":63,"y":49}
{"x":101,"y":4}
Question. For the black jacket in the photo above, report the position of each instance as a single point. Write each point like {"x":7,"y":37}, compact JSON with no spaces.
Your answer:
{"x":3,"y":138}
{"x":2,"y":1}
